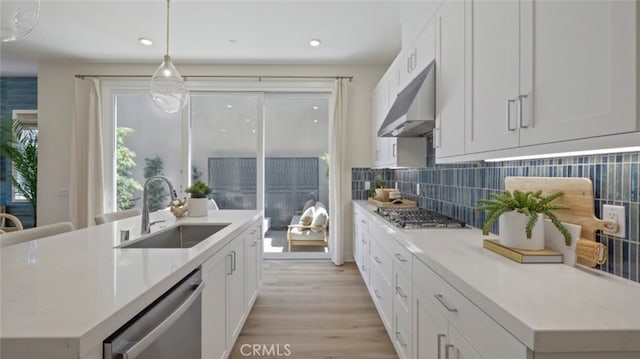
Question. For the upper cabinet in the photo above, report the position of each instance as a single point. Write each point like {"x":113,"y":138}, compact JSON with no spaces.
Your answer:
{"x":541,"y":72}
{"x":448,"y":135}
{"x":417,"y":56}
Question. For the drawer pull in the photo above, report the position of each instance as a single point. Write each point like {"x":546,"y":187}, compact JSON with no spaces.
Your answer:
{"x":254,"y":243}
{"x":400,"y":340}
{"x":363,"y":221}
{"x":441,"y":300}
{"x":363,"y":241}
{"x":377,"y":293}
{"x":364,"y":268}
{"x":440,"y":336}
{"x":378,"y":260}
{"x":401,"y":258}
{"x":446,"y":350}
{"x":401,"y":292}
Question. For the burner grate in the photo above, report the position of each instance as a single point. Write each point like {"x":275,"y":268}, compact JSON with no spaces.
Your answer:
{"x":411,"y":218}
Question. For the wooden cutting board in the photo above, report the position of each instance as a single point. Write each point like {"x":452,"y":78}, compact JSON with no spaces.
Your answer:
{"x":405,"y":203}
{"x":577,"y":195}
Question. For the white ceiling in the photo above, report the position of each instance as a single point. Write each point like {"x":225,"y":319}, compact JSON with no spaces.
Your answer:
{"x":265,"y":32}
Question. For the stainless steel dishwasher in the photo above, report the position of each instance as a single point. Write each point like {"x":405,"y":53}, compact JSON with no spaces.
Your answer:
{"x":168,"y":328}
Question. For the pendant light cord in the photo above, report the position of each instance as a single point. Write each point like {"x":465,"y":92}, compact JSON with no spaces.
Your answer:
{"x":168,"y":1}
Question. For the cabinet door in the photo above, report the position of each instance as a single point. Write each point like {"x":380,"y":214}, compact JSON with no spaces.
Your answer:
{"x":251,"y":248}
{"x":450,"y":73}
{"x":429,"y":328}
{"x":493,"y":49}
{"x":417,"y":56}
{"x":578,"y":69}
{"x":458,"y":348}
{"x":214,"y":303}
{"x":380,"y":108}
{"x":235,"y":291}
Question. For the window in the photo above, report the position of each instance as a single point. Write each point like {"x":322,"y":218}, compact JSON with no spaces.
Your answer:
{"x":29,"y":121}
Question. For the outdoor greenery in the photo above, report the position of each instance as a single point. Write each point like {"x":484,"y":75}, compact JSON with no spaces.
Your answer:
{"x":199,"y":190}
{"x":20,"y":146}
{"x":125,"y":160}
{"x":528,"y":203}
{"x":155,"y":190}
{"x":326,"y":160}
{"x":196,"y":174}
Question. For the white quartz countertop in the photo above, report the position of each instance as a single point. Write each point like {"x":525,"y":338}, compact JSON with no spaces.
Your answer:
{"x":548,"y":307}
{"x":67,"y":293}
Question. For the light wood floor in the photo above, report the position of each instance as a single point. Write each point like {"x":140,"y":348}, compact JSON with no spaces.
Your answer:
{"x":319,"y":310}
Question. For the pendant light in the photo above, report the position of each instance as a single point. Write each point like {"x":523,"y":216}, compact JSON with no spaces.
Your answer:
{"x":168,"y":89}
{"x":18,"y":18}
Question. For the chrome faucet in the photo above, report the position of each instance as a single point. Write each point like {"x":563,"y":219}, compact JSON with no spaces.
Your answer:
{"x":146,"y":226}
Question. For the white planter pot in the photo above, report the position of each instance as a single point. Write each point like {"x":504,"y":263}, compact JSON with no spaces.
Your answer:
{"x":512,"y":231}
{"x":197,"y":207}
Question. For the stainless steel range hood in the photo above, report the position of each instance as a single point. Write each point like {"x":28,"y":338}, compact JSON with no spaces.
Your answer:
{"x":413,"y":112}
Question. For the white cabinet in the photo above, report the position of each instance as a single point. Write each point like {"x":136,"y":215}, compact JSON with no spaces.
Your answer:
{"x":361,"y":242}
{"x":214,"y":306}
{"x":448,"y":135}
{"x":547,"y":71}
{"x":253,"y":264}
{"x":417,"y":56}
{"x":232,"y":279}
{"x":235,"y":291}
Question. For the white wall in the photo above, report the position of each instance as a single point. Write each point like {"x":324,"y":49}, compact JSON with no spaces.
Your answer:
{"x":55,"y":112}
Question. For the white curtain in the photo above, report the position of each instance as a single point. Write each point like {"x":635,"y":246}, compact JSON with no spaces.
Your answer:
{"x":337,"y":171}
{"x":87,"y":178}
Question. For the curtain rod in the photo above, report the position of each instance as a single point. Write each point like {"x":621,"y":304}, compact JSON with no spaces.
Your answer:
{"x":258,"y":77}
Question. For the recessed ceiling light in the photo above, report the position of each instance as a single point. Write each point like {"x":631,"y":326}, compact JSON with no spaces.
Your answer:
{"x":229,"y":106}
{"x":253,"y":131}
{"x":315,"y":107}
{"x":224,"y":130}
{"x":146,"y":42}
{"x":315,"y":42}
{"x":247,"y":120}
{"x":315,"y":121}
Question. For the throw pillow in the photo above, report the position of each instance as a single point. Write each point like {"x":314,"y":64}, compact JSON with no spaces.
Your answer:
{"x":319,"y":219}
{"x":307,"y":217}
{"x":308,"y":204}
{"x":320,"y":205}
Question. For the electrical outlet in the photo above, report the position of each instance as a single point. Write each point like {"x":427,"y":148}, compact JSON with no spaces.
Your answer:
{"x":367,"y":184}
{"x":418,"y":189}
{"x":618,"y":215}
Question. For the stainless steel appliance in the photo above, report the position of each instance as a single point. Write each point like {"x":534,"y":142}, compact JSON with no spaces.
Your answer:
{"x":413,"y":218}
{"x":168,"y":328}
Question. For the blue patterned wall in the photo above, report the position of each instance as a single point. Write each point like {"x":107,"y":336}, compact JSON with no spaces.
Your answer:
{"x":16,"y":93}
{"x":455,"y":190}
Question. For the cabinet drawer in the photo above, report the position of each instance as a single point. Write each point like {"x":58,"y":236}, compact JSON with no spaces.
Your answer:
{"x":361,"y":219}
{"x":402,"y":290}
{"x":402,"y":333}
{"x":401,"y":256}
{"x":382,"y":295}
{"x":382,"y":260}
{"x":482,"y":332}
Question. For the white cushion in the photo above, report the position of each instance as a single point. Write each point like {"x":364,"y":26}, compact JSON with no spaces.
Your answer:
{"x":320,"y":205}
{"x":308,"y":204}
{"x":307,"y":217}
{"x":299,"y":234}
{"x":319,"y":219}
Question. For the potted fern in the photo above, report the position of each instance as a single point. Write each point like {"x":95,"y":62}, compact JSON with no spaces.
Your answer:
{"x":198,"y":202}
{"x":520,"y":217}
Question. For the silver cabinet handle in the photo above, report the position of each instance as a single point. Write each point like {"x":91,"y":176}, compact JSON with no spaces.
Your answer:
{"x":440,"y":336}
{"x":441,"y":300}
{"x":254,"y":232}
{"x":521,"y":120}
{"x":401,"y":292}
{"x":377,"y":293}
{"x":230,"y":264}
{"x":393,"y":151}
{"x":509,"y":102}
{"x":378,"y":260}
{"x":254,"y":243}
{"x":436,"y":137}
{"x":446,"y":350}
{"x":363,"y":241}
{"x":363,"y":221}
{"x":400,"y":257}
{"x":233,"y":262}
{"x":156,"y":332}
{"x":400,"y":340}
{"x":364,"y":268}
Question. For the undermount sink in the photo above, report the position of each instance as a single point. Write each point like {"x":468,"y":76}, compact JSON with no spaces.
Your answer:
{"x":182,"y":236}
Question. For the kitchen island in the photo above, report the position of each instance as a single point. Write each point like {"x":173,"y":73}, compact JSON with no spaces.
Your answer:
{"x":63,"y":295}
{"x":495,"y":307}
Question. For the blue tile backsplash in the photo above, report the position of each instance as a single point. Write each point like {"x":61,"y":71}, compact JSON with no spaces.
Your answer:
{"x":455,"y":190}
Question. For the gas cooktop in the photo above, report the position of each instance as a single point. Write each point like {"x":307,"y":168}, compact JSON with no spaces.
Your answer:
{"x":413,"y":218}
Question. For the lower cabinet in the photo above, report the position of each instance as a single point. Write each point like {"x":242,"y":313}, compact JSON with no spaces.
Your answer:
{"x":232,"y":279}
